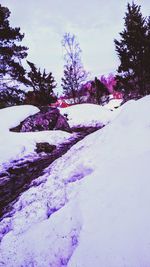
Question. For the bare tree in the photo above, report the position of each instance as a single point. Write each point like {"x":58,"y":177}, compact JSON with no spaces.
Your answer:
{"x":74,"y":73}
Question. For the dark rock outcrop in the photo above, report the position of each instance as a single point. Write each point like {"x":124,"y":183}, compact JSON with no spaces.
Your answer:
{"x":44,"y":147}
{"x":46,"y":119}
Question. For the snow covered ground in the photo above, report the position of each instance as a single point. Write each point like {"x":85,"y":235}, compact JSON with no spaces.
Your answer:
{"x":113,"y":104}
{"x":19,"y":146}
{"x":87,"y":115}
{"x":12,"y":116}
{"x":92,"y":208}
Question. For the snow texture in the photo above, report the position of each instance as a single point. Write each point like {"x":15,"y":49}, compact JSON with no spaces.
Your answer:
{"x":92,"y":208}
{"x":87,"y":115}
{"x":113,"y":104}
{"x":20,"y":146}
{"x":12,"y":116}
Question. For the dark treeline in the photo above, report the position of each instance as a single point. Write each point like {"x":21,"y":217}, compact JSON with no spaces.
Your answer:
{"x":13,"y":75}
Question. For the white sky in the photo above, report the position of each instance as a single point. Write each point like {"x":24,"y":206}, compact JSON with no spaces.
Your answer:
{"x":96,"y":24}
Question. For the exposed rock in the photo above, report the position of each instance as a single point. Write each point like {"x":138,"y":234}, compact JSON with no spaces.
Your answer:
{"x":46,"y":119}
{"x":61,"y":123}
{"x":44,"y":147}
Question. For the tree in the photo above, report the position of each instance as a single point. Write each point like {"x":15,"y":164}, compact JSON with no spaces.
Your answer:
{"x":11,"y":54}
{"x":101,"y":93}
{"x":74,"y":73}
{"x":42,"y":84}
{"x":147,"y":59}
{"x":132,"y":50}
{"x":11,"y":97}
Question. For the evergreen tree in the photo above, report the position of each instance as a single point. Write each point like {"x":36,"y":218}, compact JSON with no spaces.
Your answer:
{"x":101,"y":93}
{"x":131,"y":49}
{"x":74,"y":73}
{"x":11,"y":54}
{"x":11,"y":97}
{"x":42,"y":84}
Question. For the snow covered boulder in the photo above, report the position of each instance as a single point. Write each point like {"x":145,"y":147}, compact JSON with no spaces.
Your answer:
{"x":46,"y":119}
{"x":87,"y":115}
{"x":11,"y":116}
{"x":18,"y":146}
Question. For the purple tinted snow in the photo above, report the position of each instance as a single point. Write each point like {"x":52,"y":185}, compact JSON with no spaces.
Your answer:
{"x":74,"y":240}
{"x":50,"y":211}
{"x":80,"y":175}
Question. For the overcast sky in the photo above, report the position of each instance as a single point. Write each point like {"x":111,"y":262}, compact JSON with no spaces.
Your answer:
{"x":96,"y":24}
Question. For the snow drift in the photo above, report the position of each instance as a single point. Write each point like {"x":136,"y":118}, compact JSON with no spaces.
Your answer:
{"x":87,"y":115}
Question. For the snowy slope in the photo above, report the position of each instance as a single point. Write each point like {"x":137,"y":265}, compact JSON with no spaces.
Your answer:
{"x":115,"y":210}
{"x":92,"y":208}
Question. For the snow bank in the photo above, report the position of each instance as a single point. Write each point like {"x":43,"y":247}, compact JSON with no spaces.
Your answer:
{"x":18,"y":146}
{"x":53,"y":242}
{"x":92,"y":208}
{"x":12,"y":116}
{"x":113,"y":104}
{"x":115,"y":198}
{"x":15,"y":146}
{"x":87,"y":115}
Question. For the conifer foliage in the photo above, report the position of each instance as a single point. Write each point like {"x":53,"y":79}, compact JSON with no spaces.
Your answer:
{"x":100,"y":92}
{"x":42,"y":84}
{"x":74,"y":73}
{"x":11,"y":54}
{"x":134,"y":53}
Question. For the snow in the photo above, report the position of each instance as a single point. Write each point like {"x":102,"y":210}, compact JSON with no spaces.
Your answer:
{"x":22,"y":145}
{"x":87,"y":115}
{"x":55,"y":254}
{"x":92,"y":208}
{"x":113,"y":104}
{"x":12,"y":116}
{"x":19,"y":146}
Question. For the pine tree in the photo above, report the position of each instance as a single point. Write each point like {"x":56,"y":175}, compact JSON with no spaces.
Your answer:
{"x":42,"y":84}
{"x":11,"y":54}
{"x":74,"y":73}
{"x":131,"y":50}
